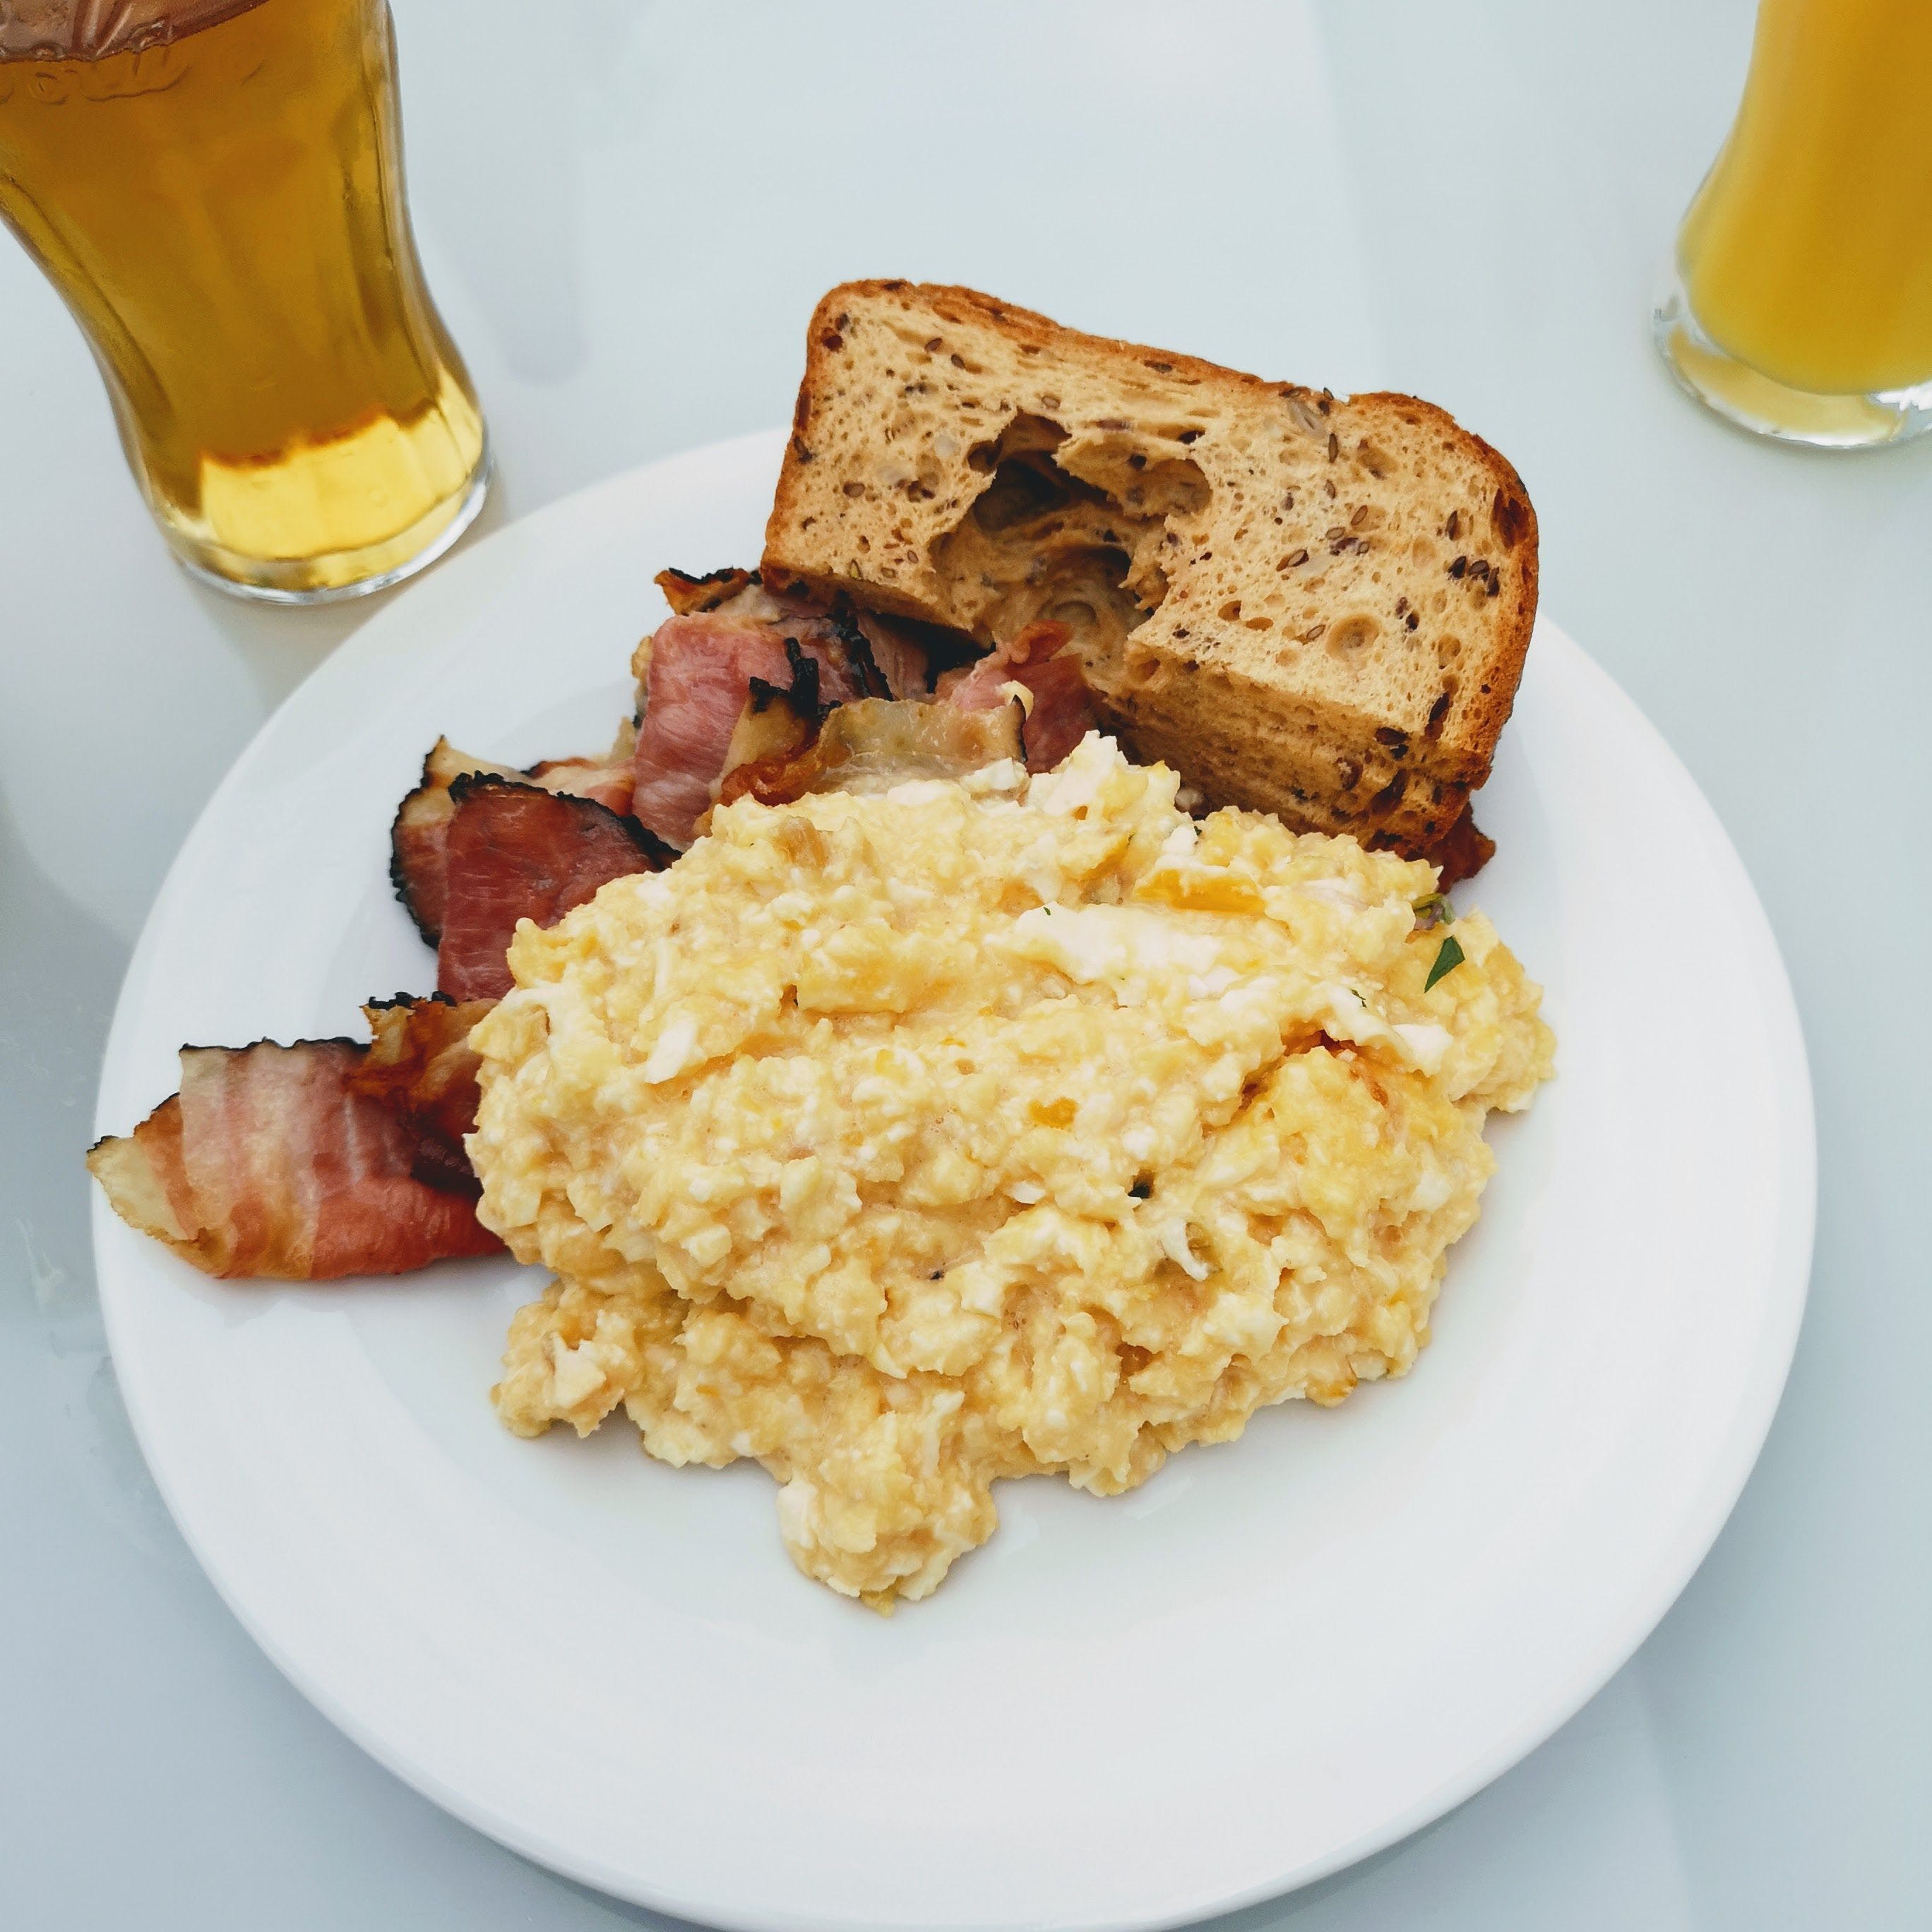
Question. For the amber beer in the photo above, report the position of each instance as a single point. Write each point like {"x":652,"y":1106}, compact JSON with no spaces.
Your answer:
{"x":217,"y":191}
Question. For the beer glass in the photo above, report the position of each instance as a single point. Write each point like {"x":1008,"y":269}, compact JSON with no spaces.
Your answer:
{"x":215,"y":188}
{"x":1802,"y":307}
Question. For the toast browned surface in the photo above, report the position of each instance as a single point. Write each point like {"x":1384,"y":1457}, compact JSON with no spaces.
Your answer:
{"x":1306,"y":604}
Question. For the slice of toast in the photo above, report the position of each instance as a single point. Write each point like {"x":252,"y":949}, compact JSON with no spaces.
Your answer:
{"x":1305,"y":604}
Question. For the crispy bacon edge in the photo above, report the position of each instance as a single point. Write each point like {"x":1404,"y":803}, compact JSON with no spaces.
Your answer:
{"x":1460,"y":853}
{"x":687,"y":595}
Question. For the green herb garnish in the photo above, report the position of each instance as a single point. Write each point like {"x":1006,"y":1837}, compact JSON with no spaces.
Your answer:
{"x":1435,"y":910}
{"x":1446,"y":960}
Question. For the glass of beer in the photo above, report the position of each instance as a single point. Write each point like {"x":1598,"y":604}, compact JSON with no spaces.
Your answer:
{"x":1802,"y":306}
{"x":215,"y":186}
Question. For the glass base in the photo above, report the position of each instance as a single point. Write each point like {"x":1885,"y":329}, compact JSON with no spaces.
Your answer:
{"x":1741,"y":395}
{"x":447,"y":525}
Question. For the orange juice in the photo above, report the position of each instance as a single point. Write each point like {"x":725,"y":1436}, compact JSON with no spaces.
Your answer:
{"x":1807,"y":254}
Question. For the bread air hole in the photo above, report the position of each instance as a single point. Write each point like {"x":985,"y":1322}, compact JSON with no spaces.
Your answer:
{"x":1175,"y":488}
{"x":1056,"y":530}
{"x":1352,"y":634}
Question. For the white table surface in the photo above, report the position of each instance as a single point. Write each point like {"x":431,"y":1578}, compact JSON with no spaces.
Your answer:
{"x":627,"y":212}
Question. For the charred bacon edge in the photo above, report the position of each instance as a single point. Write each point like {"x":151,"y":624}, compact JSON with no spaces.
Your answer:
{"x":409,"y":1000}
{"x":424,"y":812}
{"x":687,"y":595}
{"x":533,"y":853}
{"x":858,"y":648}
{"x":417,"y":816}
{"x":470,"y":784}
{"x":422,"y":818}
{"x":802,"y":695}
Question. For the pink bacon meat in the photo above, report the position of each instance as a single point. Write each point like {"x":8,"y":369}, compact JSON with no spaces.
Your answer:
{"x":416,"y":869}
{"x":312,"y":1162}
{"x":695,"y":682}
{"x":512,"y":851}
{"x":1062,"y":713}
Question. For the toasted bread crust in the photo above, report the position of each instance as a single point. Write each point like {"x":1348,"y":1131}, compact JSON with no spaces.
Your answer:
{"x":1509,"y":646}
{"x":1387,"y":739}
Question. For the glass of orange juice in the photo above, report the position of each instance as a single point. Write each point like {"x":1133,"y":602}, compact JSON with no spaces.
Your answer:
{"x":215,"y":188}
{"x":1802,"y":307}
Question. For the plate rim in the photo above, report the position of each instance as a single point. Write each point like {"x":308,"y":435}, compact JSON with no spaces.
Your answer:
{"x":1787,"y":1281}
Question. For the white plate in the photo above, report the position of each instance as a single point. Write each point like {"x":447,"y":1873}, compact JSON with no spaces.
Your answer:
{"x":1280,"y":1655}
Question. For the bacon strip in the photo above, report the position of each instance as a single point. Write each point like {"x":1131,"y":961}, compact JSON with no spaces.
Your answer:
{"x":695,"y":676}
{"x":1460,"y":853}
{"x":416,"y":865}
{"x":311,"y":1162}
{"x":1062,"y":712}
{"x":513,"y":851}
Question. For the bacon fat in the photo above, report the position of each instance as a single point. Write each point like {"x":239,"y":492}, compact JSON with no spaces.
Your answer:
{"x":876,"y":743}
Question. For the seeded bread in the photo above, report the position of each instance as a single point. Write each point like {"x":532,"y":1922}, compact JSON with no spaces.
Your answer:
{"x":1306,"y":604}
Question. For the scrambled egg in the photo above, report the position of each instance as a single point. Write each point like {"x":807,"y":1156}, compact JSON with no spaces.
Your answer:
{"x":984,"y":1129}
